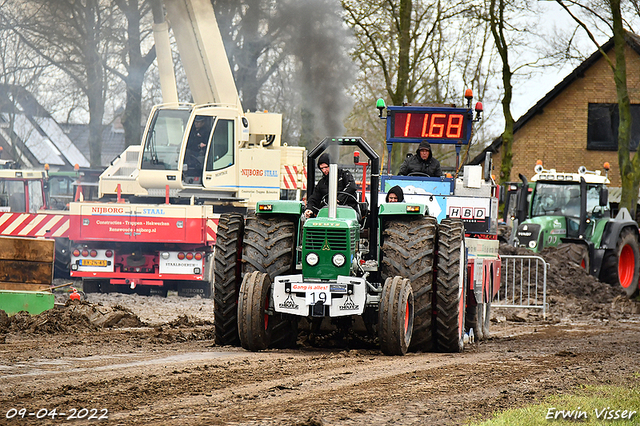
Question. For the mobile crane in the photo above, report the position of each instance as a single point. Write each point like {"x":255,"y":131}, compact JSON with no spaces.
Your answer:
{"x":155,"y":228}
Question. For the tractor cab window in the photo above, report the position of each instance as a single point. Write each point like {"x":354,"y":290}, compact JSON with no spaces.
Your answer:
{"x":61,"y":191}
{"x":221,"y":149}
{"x":555,"y":199}
{"x":12,"y":196}
{"x":593,"y":198}
{"x":36,"y":199}
{"x":164,"y":139}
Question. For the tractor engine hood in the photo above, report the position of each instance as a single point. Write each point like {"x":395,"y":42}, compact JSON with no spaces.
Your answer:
{"x":527,"y":235}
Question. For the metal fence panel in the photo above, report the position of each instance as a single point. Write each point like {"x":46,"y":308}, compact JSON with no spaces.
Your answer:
{"x":523,"y":283}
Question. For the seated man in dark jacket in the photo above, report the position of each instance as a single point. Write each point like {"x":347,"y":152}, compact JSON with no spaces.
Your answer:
{"x":421,"y":162}
{"x":346,"y":189}
{"x":395,"y":195}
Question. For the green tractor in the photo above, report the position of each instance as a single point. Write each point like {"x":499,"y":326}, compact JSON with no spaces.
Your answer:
{"x":369,"y":272}
{"x":571,"y":211}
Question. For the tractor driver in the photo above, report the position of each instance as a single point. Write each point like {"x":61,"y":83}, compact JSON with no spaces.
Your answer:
{"x":346,"y":188}
{"x":421,"y":163}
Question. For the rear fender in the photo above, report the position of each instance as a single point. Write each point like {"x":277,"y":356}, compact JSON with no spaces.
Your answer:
{"x":280,"y":207}
{"x":610,"y":236}
{"x":614,"y":227}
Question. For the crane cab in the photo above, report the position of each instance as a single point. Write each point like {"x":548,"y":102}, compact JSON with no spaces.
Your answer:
{"x":208,"y":152}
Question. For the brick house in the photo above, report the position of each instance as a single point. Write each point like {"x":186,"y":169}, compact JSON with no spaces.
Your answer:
{"x":575,"y":124}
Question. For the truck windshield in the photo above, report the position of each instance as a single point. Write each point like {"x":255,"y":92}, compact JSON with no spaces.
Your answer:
{"x":562,"y":199}
{"x":164,"y":139}
{"x":12,"y":196}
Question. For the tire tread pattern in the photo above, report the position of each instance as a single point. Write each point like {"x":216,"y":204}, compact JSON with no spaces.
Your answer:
{"x":408,"y":251}
{"x":268,"y":247}
{"x":227,"y":278}
{"x":254,"y":334}
{"x":396,"y":298}
{"x":450,"y":248}
{"x":576,"y":253}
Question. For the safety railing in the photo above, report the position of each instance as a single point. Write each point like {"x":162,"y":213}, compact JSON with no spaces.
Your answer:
{"x":523,"y":283}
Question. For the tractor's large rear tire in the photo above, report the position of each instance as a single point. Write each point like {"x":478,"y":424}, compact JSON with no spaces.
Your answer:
{"x":227,"y":278}
{"x":269,"y":247}
{"x":395,"y":316}
{"x":450,"y":286}
{"x":254,"y":325}
{"x":622,"y":266}
{"x":576,"y":253}
{"x":408,"y":248}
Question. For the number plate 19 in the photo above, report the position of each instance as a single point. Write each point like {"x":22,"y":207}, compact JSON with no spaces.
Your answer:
{"x":314,"y":293}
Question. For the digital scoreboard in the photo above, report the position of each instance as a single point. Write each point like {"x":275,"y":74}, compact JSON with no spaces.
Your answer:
{"x":436,"y":125}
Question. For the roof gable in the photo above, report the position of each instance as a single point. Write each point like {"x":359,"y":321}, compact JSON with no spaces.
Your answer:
{"x":632,"y":40}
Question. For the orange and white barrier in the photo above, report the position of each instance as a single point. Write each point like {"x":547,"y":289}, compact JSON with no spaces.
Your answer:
{"x":34,"y":225}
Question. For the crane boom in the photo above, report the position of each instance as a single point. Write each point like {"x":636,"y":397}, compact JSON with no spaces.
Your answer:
{"x":163,"y":54}
{"x":202,"y":52}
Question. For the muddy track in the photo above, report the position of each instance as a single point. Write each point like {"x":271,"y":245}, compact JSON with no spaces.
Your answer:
{"x":176,"y":376}
{"x":151,"y":360}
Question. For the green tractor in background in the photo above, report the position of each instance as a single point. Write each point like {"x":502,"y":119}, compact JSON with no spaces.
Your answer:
{"x":369,"y":271}
{"x":571,"y":211}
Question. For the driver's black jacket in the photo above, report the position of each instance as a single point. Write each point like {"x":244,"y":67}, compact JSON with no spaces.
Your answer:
{"x":415,"y":164}
{"x":346,"y":192}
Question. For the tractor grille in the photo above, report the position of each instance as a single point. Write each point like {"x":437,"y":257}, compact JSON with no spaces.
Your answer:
{"x":327,"y":239}
{"x":526,"y":233}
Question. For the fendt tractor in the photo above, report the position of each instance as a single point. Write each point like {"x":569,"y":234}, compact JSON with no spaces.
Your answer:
{"x":404,"y":273}
{"x":571,"y":211}
{"x":155,"y":227}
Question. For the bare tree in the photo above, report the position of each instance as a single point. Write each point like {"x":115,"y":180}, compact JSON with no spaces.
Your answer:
{"x":134,"y":62}
{"x":418,"y":51}
{"x":20,"y":70}
{"x":298,"y":42}
{"x":497,"y":20}
{"x":69,"y":35}
{"x":612,"y":17}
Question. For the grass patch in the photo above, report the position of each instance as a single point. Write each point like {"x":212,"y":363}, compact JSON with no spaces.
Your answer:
{"x":583,"y":407}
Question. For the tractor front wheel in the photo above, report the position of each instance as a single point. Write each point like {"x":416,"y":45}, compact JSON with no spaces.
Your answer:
{"x":408,"y":248}
{"x":395,"y":316}
{"x":254,"y":327}
{"x":576,"y":253}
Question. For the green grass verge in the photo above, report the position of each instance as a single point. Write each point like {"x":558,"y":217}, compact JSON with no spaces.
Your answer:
{"x":583,"y":407}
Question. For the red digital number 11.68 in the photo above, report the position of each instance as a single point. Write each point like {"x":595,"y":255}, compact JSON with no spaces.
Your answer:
{"x":436,"y":126}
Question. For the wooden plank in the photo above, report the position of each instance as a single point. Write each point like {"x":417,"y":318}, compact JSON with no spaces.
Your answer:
{"x":29,"y":249}
{"x":17,"y":271}
{"x":23,"y":287}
